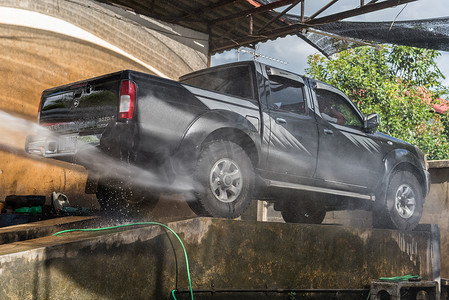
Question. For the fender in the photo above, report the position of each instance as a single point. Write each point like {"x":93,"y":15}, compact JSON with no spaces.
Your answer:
{"x":216,"y":124}
{"x":401,"y":159}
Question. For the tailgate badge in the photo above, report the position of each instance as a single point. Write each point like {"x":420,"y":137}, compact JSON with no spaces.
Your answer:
{"x":76,"y":102}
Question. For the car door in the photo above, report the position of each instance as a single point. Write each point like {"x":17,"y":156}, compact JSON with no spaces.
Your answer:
{"x":348,"y":157}
{"x":293,"y":139}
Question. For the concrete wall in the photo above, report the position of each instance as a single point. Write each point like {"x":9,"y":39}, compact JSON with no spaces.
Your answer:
{"x":436,"y":208}
{"x":147,"y":263}
{"x":52,"y":42}
{"x":436,"y":211}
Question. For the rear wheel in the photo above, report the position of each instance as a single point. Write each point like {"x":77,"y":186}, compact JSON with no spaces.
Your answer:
{"x":403,"y":206}
{"x":225,"y":180}
{"x":303,"y":210}
{"x":195,"y":205}
{"x":125,"y":198}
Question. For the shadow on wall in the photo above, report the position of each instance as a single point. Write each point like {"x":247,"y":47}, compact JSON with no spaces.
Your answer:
{"x":146,"y":271}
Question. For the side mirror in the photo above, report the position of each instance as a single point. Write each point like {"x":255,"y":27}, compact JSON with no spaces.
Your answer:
{"x":371,"y":122}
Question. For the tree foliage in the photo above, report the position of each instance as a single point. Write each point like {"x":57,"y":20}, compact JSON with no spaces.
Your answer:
{"x":400,"y":83}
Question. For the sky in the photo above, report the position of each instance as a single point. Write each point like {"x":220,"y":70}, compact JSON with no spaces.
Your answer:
{"x":295,"y":51}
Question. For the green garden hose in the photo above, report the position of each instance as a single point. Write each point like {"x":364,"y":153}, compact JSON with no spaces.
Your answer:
{"x":143,"y":223}
{"x":401,"y":278}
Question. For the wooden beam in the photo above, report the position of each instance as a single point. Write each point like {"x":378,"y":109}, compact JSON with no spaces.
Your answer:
{"x":357,"y":11}
{"x":245,"y":40}
{"x":256,"y":10}
{"x":303,"y":3}
{"x":201,"y":11}
{"x":321,"y":10}
{"x":219,"y":4}
{"x":280,"y":15}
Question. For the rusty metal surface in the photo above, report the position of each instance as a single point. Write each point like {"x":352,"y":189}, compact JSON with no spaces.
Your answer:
{"x":232,"y":24}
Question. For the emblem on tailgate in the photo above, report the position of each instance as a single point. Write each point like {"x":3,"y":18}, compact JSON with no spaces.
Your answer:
{"x":76,"y":102}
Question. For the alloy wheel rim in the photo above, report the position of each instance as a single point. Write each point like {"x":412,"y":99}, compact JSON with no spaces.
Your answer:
{"x":226,"y":180}
{"x":405,"y":201}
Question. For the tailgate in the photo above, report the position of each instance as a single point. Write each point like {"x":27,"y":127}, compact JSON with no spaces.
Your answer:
{"x":77,"y":114}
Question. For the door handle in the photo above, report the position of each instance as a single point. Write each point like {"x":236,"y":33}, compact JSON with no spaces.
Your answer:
{"x":328,"y":131}
{"x":281,"y":121}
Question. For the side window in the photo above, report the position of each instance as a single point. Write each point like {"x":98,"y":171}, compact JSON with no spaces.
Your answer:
{"x":236,"y":81}
{"x":336,"y":109}
{"x":286,"y":94}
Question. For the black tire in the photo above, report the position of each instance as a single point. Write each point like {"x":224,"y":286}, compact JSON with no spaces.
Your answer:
{"x":195,"y":205}
{"x":304,"y":210}
{"x":124,"y":198}
{"x":224,"y":179}
{"x":402,"y":209}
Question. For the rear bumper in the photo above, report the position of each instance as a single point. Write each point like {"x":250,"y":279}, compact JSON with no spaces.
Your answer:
{"x":60,"y":146}
{"x":80,"y":148}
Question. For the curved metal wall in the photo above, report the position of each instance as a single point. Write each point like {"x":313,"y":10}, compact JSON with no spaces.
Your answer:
{"x":49,"y":43}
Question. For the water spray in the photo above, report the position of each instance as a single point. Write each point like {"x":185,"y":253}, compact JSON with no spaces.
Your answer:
{"x":15,"y":130}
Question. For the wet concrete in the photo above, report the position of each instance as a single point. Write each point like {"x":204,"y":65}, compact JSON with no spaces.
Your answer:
{"x":148,"y":263}
{"x":43,"y":228}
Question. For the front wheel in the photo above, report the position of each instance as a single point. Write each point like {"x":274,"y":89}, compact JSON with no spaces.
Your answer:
{"x":403,"y":206}
{"x":225,"y":180}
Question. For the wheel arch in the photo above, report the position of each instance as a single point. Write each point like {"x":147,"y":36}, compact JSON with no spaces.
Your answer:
{"x":385,"y":212}
{"x":402,"y":160}
{"x":220,"y":125}
{"x":238,"y":137}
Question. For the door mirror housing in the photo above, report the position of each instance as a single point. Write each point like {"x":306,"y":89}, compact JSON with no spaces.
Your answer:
{"x":371,"y":122}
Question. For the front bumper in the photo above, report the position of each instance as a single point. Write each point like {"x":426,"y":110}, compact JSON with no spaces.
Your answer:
{"x":427,"y":182}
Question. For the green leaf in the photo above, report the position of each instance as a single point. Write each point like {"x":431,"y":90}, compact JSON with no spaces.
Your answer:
{"x":399,"y":83}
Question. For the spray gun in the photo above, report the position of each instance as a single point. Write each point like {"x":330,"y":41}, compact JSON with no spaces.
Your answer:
{"x":62,"y":206}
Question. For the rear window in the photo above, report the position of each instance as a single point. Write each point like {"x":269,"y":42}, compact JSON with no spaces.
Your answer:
{"x":236,"y":81}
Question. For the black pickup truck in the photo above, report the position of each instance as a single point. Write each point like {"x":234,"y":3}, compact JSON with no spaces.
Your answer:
{"x":237,"y":132}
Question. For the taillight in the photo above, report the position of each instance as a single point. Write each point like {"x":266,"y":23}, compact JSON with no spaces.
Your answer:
{"x":39,"y":109}
{"x":127,"y":100}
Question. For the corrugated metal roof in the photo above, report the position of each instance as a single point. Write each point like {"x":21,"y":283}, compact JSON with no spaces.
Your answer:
{"x":235,"y":23}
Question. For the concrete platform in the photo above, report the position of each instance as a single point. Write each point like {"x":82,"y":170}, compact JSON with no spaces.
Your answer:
{"x":146,"y":262}
{"x":38,"y":229}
